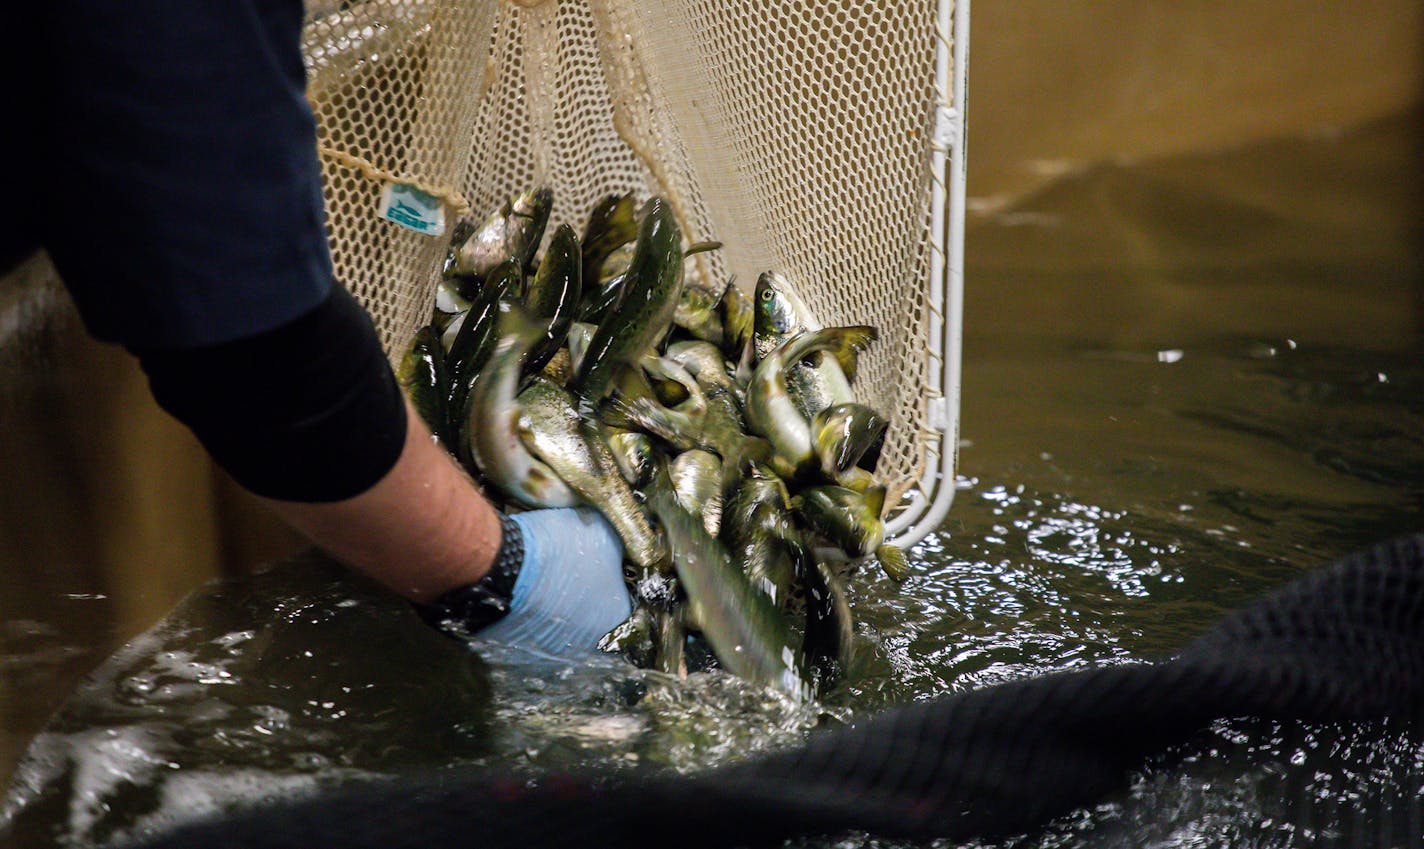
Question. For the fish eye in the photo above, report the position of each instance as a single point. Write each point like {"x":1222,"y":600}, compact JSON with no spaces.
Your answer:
{"x":766,"y":294}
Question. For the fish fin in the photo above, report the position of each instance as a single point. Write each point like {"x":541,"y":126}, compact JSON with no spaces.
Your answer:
{"x":843,"y":343}
{"x":617,"y":411}
{"x":856,"y":478}
{"x":746,"y":363}
{"x":645,"y":414}
{"x":827,"y":452}
{"x":856,"y":339}
{"x":726,"y":291}
{"x":875,"y":500}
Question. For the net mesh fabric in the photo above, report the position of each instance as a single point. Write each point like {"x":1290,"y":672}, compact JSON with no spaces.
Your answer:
{"x":1345,"y":643}
{"x":796,"y":134}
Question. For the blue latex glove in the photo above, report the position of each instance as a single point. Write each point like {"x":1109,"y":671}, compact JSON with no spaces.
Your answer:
{"x":570,"y":590}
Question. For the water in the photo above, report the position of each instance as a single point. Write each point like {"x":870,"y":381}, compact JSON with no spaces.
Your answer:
{"x":1185,"y":384}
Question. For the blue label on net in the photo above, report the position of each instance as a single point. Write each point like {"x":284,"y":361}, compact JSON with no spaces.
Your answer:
{"x":413,"y":209}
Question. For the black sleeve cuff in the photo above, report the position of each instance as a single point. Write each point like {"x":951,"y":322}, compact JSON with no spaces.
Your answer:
{"x":309,"y":411}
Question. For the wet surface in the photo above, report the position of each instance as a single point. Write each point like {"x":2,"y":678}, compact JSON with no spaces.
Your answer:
{"x":1185,"y":384}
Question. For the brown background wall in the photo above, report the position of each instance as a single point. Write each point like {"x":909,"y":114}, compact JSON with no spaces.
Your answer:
{"x":1055,"y":84}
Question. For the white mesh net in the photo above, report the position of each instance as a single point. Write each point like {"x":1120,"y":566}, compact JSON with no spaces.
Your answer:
{"x":798,"y":134}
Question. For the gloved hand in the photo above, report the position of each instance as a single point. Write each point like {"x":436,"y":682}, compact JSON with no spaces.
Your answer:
{"x":568,"y":589}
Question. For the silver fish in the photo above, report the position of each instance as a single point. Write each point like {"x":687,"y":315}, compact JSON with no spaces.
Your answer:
{"x":555,"y":433}
{"x":818,"y":382}
{"x":512,"y":232}
{"x":633,"y":451}
{"x":492,"y":429}
{"x":740,"y":622}
{"x":770,"y":410}
{"x":697,"y":480}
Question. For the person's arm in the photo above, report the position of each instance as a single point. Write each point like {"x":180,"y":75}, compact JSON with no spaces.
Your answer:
{"x":426,"y":532}
{"x":422,"y":529}
{"x":187,"y":126}
{"x":308,"y":416}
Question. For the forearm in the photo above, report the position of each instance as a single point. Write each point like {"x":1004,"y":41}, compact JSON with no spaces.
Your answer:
{"x":309,"y":417}
{"x":422,"y":530}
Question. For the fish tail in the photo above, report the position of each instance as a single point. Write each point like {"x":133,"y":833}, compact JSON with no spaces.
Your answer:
{"x":894,"y":562}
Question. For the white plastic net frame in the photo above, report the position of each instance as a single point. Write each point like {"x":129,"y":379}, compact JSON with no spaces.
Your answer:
{"x":821,"y":138}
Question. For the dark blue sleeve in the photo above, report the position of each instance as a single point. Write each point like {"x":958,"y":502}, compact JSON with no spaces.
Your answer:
{"x":183,"y":195}
{"x":308,"y":411}
{"x":172,"y":175}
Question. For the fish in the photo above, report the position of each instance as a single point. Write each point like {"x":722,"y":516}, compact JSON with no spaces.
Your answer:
{"x":764,"y":553}
{"x":829,"y":643}
{"x":703,"y":360}
{"x":644,"y":310}
{"x":552,"y":295}
{"x":741,"y":623}
{"x":491,"y":437}
{"x":601,"y":293}
{"x":723,"y":427}
{"x":851,"y":521}
{"x":670,"y":655}
{"x":612,"y":224}
{"x":815,"y":382}
{"x":559,"y":368}
{"x":554,"y":432}
{"x":599,"y":304}
{"x":635,"y":408}
{"x":724,"y":431}
{"x":580,"y":334}
{"x":449,"y":305}
{"x":633,"y":638}
{"x":818,"y":382}
{"x":842,"y":434}
{"x":697,"y":313}
{"x":512,"y":232}
{"x":423,"y":376}
{"x":779,"y":315}
{"x":760,"y":485}
{"x":770,"y":411}
{"x":738,"y":330}
{"x":697,"y":482}
{"x":726,"y":462}
{"x":459,"y":235}
{"x":755,"y":528}
{"x":475,"y":337}
{"x":633,"y":452}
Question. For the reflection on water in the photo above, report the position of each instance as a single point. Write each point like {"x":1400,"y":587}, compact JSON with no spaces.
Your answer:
{"x":1184,"y":384}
